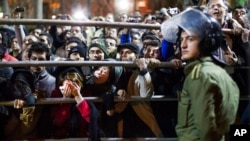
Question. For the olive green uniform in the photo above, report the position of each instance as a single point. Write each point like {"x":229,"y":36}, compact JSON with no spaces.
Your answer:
{"x":208,"y":102}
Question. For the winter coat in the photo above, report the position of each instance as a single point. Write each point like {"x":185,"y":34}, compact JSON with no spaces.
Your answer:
{"x":208,"y":102}
{"x":70,"y":120}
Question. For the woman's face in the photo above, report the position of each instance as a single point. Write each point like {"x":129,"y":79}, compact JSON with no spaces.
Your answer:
{"x":101,"y":75}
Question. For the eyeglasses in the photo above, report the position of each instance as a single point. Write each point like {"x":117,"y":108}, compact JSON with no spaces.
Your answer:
{"x":216,"y":6}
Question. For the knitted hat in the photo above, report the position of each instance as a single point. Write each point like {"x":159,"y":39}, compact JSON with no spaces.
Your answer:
{"x":101,"y":46}
{"x":78,"y":49}
{"x":130,"y":46}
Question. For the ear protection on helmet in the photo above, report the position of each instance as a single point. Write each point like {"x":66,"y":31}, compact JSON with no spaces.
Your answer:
{"x":212,"y":37}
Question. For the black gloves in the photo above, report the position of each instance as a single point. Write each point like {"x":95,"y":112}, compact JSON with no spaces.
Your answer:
{"x":108,"y":99}
{"x":30,"y":100}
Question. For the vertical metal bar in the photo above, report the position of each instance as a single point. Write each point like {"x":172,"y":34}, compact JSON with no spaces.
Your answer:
{"x":38,"y":4}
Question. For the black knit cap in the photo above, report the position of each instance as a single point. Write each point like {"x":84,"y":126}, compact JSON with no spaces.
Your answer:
{"x":78,"y":49}
{"x":62,"y":70}
{"x":24,"y":76}
{"x":130,"y":46}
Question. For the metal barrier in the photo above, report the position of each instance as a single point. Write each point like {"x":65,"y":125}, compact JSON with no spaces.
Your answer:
{"x":77,"y":22}
{"x":78,"y":63}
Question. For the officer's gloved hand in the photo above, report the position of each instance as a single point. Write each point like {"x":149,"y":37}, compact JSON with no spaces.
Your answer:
{"x":30,"y":100}
{"x":108,"y":99}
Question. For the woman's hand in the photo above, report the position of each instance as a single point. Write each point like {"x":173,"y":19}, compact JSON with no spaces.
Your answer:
{"x":74,"y":89}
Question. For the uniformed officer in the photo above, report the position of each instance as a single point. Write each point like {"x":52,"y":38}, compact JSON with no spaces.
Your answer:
{"x":209,"y":99}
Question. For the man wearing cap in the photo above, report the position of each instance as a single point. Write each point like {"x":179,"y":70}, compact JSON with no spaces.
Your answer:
{"x":77,"y":53}
{"x":136,"y":82}
{"x":97,"y":51}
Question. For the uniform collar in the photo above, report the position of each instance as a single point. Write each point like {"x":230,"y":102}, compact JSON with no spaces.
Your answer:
{"x":190,"y":66}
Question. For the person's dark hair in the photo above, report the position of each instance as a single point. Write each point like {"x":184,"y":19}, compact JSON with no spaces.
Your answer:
{"x":110,"y":37}
{"x":4,"y":38}
{"x":39,"y":47}
{"x":239,"y":7}
{"x":74,"y":39}
{"x":151,"y":43}
{"x":149,"y":35}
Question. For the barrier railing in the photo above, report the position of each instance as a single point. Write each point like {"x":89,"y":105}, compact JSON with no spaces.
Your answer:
{"x":77,"y":22}
{"x":63,"y":100}
{"x":78,"y":63}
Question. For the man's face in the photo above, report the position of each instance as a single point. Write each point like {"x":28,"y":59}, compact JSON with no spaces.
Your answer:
{"x":111,"y":32}
{"x":76,"y":56}
{"x":218,"y":10}
{"x":238,"y":15}
{"x":43,"y":39}
{"x":96,"y":54}
{"x":27,"y":40}
{"x":123,"y":17}
{"x":36,"y":32}
{"x":110,"y":18}
{"x":136,"y":39}
{"x":37,"y":56}
{"x":189,"y":46}
{"x":151,"y":52}
{"x":14,"y":45}
{"x":111,"y":45}
{"x":127,"y":55}
{"x":76,"y":31}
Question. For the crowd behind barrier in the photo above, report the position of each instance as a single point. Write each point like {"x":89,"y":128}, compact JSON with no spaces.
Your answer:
{"x":102,"y":77}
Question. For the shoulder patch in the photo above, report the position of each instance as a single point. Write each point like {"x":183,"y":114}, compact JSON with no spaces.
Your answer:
{"x":196,"y":72}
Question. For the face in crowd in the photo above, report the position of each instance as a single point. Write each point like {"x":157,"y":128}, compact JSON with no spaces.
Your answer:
{"x":127,"y":54}
{"x":69,"y":46}
{"x":38,"y":56}
{"x":189,"y":46}
{"x":218,"y":10}
{"x":96,"y":54}
{"x":101,"y":75}
{"x":151,"y":51}
{"x":27,"y":40}
{"x":111,"y":45}
{"x":14,"y":45}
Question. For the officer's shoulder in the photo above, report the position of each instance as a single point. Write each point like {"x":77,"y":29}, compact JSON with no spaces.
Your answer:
{"x":205,"y":69}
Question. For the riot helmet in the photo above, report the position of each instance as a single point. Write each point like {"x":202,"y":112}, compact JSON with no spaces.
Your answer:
{"x":194,"y":21}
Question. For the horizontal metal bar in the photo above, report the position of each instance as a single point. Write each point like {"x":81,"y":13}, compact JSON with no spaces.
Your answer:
{"x":78,"y":63}
{"x":49,"y":101}
{"x":77,"y":22}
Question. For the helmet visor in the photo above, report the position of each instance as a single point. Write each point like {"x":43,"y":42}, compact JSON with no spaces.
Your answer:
{"x":192,"y":21}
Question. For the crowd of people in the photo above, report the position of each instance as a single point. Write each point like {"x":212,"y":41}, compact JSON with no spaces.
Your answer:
{"x":208,"y":93}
